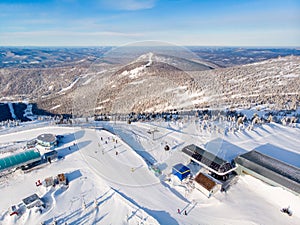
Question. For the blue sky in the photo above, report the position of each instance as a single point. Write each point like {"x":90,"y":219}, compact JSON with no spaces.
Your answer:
{"x":182,"y":22}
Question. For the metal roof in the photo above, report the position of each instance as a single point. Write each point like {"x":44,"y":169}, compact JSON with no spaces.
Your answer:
{"x":181,"y":168}
{"x":206,"y":158}
{"x":47,"y":138}
{"x":19,"y":159}
{"x":271,"y":168}
{"x":30,"y":199}
{"x":50,"y":153}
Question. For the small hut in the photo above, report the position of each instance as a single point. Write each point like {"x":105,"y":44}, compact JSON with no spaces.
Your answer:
{"x":49,"y":181}
{"x":181,"y":171}
{"x":31,"y":144}
{"x":13,"y":210}
{"x":206,"y":184}
{"x":62,"y":179}
{"x":32,"y":201}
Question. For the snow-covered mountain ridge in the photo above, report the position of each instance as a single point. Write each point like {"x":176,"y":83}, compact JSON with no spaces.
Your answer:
{"x":155,"y":82}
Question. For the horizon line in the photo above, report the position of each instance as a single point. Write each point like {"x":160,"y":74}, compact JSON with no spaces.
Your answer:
{"x":97,"y":46}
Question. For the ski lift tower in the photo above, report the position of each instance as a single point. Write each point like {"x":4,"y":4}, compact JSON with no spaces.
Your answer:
{"x":152,"y":131}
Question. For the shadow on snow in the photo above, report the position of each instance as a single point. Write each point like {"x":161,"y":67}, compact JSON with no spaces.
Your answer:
{"x":162,"y":217}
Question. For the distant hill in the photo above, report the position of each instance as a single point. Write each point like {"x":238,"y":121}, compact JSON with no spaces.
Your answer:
{"x":154,"y":82}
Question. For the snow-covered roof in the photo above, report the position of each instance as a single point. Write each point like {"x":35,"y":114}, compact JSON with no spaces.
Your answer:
{"x":32,"y":200}
{"x":271,"y":168}
{"x":50,"y":138}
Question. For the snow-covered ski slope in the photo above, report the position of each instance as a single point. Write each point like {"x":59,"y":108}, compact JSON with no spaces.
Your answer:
{"x":109,"y":168}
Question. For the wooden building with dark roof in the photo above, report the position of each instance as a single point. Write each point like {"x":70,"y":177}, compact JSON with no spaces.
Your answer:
{"x":207,"y":185}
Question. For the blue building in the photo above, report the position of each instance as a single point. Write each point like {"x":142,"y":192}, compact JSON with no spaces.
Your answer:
{"x":181,"y":171}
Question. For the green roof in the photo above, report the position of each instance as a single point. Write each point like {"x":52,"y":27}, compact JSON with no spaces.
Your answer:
{"x":19,"y":159}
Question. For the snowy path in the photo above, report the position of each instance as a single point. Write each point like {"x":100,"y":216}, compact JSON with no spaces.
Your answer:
{"x":127,"y":168}
{"x":140,"y":184}
{"x":85,"y":185}
{"x":164,"y":200}
{"x":12,"y":111}
{"x":127,"y":197}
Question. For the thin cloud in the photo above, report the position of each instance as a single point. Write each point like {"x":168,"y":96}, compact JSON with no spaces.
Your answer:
{"x":68,"y":33}
{"x":130,"y":5}
{"x":66,"y":38}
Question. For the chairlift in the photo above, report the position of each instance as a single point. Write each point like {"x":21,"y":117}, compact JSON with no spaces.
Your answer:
{"x":167,"y":148}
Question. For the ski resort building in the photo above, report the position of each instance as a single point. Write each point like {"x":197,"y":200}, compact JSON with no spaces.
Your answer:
{"x":269,"y":170}
{"x":49,"y":181}
{"x":206,"y":184}
{"x":62,"y":179}
{"x":31,"y":144}
{"x":20,"y":159}
{"x":181,"y":171}
{"x":33,"y":201}
{"x":50,"y":156}
{"x":48,"y":141}
{"x":208,"y":160}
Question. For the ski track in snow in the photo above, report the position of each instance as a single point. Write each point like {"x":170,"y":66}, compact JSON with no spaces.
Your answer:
{"x":127,"y":196}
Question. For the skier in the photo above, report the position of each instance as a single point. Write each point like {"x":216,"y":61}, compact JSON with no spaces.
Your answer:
{"x":178,"y":210}
{"x":83,"y":205}
{"x":95,"y":203}
{"x":117,"y":152}
{"x":287,"y":211}
{"x":185,"y":213}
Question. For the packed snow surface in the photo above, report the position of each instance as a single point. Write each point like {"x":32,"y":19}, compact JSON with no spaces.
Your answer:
{"x":110,"y":181}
